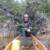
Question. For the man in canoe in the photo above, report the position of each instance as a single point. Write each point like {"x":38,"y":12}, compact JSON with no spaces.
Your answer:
{"x":27,"y":22}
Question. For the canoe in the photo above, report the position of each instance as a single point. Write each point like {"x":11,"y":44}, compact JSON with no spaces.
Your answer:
{"x":37,"y":45}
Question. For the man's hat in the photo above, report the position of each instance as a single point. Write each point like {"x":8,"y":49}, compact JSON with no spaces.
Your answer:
{"x":26,"y":15}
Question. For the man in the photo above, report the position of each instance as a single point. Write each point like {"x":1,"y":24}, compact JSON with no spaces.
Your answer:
{"x":27,"y":23}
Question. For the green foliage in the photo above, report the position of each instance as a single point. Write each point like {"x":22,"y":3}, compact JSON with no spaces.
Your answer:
{"x":13,"y":6}
{"x":45,"y":7}
{"x":20,"y":8}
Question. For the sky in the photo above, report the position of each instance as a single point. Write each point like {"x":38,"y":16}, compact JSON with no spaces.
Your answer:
{"x":20,"y":1}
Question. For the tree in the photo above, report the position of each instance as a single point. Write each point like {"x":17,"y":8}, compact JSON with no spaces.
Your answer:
{"x":30,"y":7}
{"x":39,"y":22}
{"x":45,"y":7}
